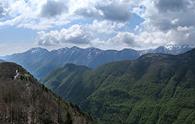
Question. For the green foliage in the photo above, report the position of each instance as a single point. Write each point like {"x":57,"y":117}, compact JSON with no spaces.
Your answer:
{"x":25,"y":100}
{"x":154,"y":89}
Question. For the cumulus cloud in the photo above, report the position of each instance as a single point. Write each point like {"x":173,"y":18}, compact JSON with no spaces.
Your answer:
{"x":53,"y":8}
{"x":169,"y":21}
{"x":104,"y":23}
{"x":171,"y":5}
{"x":89,"y":12}
{"x":165,"y":22}
{"x":110,"y":10}
{"x":172,"y":14}
{"x":30,"y":14}
{"x":73,"y":35}
{"x":47,"y":39}
{"x":115,"y":11}
{"x":95,"y":35}
{"x":1,"y":11}
{"x":47,"y":14}
{"x":125,"y":39}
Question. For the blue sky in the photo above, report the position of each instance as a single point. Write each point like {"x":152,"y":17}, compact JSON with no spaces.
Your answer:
{"x":11,"y":34}
{"x":106,"y":24}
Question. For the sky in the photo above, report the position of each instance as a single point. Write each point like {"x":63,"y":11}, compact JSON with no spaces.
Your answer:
{"x":105,"y":24}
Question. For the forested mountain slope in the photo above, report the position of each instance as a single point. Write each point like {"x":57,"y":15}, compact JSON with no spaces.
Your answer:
{"x":153,"y":89}
{"x":24,"y":101}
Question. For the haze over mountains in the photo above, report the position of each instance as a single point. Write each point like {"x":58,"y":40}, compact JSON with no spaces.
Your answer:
{"x":153,"y":89}
{"x":40,"y":62}
{"x":23,"y":100}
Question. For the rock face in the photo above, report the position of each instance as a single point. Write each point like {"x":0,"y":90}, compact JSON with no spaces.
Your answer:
{"x":24,"y":101}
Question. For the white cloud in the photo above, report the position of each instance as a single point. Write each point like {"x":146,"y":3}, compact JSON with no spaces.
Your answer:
{"x":30,"y":14}
{"x":125,"y":39}
{"x":47,"y":14}
{"x":73,"y":35}
{"x":107,"y":10}
{"x":166,"y":21}
{"x":53,"y":8}
{"x":103,"y":23}
{"x":97,"y":34}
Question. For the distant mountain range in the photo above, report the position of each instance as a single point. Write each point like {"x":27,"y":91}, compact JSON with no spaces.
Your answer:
{"x":25,"y":101}
{"x":153,"y":89}
{"x":40,"y":62}
{"x":169,"y":49}
{"x":1,"y":60}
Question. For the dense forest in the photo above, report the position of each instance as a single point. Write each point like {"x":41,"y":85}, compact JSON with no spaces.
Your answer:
{"x":23,"y":100}
{"x":154,"y":89}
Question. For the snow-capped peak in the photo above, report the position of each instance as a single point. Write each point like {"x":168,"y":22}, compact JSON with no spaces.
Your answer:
{"x":37,"y":50}
{"x":175,"y":46}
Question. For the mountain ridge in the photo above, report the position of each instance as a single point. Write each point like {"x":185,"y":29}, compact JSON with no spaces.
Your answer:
{"x":153,"y":89}
{"x":24,"y":100}
{"x":40,"y":62}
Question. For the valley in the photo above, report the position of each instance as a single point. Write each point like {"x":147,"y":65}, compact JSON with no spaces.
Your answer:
{"x":153,"y":89}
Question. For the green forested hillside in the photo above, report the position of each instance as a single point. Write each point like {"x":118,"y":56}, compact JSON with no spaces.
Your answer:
{"x":24,"y":101}
{"x":154,"y":89}
{"x":68,"y":82}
